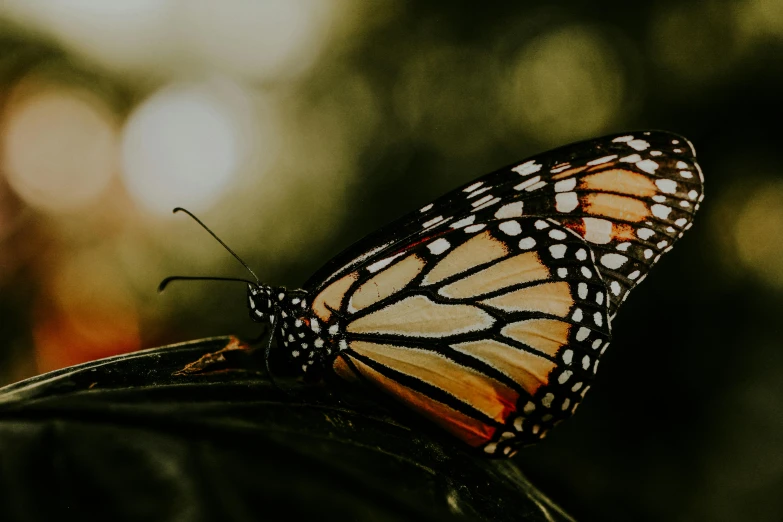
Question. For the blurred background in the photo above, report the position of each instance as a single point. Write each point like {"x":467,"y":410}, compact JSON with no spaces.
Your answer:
{"x":294,"y":127}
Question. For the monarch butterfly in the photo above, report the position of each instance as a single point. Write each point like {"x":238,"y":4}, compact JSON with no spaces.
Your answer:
{"x":487,"y":310}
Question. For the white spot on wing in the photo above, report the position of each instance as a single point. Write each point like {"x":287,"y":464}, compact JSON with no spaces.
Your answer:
{"x":527,"y":168}
{"x":598,"y":231}
{"x":463,"y":222}
{"x":667,"y":185}
{"x":474,"y":228}
{"x":527,"y":243}
{"x":481,"y":201}
{"x":648,"y":165}
{"x":438,"y":246}
{"x":613,"y":261}
{"x":565,"y":185}
{"x":605,"y":159}
{"x":511,"y":228}
{"x":582,"y":334}
{"x":426,"y":208}
{"x":477,"y":192}
{"x":645,"y":233}
{"x":633,"y":158}
{"x":661,"y":211}
{"x":615,"y":288}
{"x":638,"y":144}
{"x":557,"y":234}
{"x":622,"y":139}
{"x":537,"y":186}
{"x":509,"y":210}
{"x":487,"y":204}
{"x":383,"y":263}
{"x":557,"y":251}
{"x":433,"y":221}
{"x":473,"y":187}
{"x":566,"y":201}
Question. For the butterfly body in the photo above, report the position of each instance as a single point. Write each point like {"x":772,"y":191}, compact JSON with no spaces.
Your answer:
{"x":487,"y":310}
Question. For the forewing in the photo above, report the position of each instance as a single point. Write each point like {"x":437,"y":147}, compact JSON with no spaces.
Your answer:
{"x":630,"y":196}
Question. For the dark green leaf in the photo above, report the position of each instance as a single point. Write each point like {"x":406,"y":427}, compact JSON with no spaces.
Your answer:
{"x":197,"y":432}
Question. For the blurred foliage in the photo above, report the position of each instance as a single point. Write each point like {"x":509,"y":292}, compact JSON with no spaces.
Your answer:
{"x":348,"y":114}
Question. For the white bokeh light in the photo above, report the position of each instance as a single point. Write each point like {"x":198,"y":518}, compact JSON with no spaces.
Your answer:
{"x":120,"y":34}
{"x":59,"y":148}
{"x":184,"y":145}
{"x":268,"y":39}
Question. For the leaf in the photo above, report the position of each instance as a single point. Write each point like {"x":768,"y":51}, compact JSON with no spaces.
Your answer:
{"x":197,"y":432}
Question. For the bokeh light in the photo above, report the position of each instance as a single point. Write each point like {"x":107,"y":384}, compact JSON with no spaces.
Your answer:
{"x":695,"y":41}
{"x":566,"y":84}
{"x":263,"y":40}
{"x":758,"y":233}
{"x":760,"y":20}
{"x":121,"y":34}
{"x":59,"y":148}
{"x":184,"y":145}
{"x":86,"y":311}
{"x":266,"y":40}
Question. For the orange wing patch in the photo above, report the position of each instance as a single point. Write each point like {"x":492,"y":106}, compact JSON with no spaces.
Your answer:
{"x":615,"y":207}
{"x":470,"y":430}
{"x":478,"y":250}
{"x":529,"y":370}
{"x":386,"y":283}
{"x":567,"y":173}
{"x":620,"y":181}
{"x":492,"y":398}
{"x":418,"y":316}
{"x":545,"y":335}
{"x":549,"y":298}
{"x":522,"y":268}
{"x":332,"y":296}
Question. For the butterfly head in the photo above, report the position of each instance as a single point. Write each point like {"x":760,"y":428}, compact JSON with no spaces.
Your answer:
{"x":263,"y":302}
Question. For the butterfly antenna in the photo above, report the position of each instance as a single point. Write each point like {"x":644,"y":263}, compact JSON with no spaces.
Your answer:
{"x":197,"y":220}
{"x":163,"y":284}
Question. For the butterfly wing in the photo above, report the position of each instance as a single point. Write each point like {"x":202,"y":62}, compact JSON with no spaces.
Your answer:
{"x":487,"y":310}
{"x":492,"y":332}
{"x":630,"y":196}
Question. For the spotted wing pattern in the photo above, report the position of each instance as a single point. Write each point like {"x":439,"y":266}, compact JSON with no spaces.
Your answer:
{"x":487,"y":310}
{"x":492,"y":331}
{"x":630,"y":196}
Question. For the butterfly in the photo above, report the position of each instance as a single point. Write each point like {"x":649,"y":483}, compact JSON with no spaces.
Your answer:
{"x":487,"y":310}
